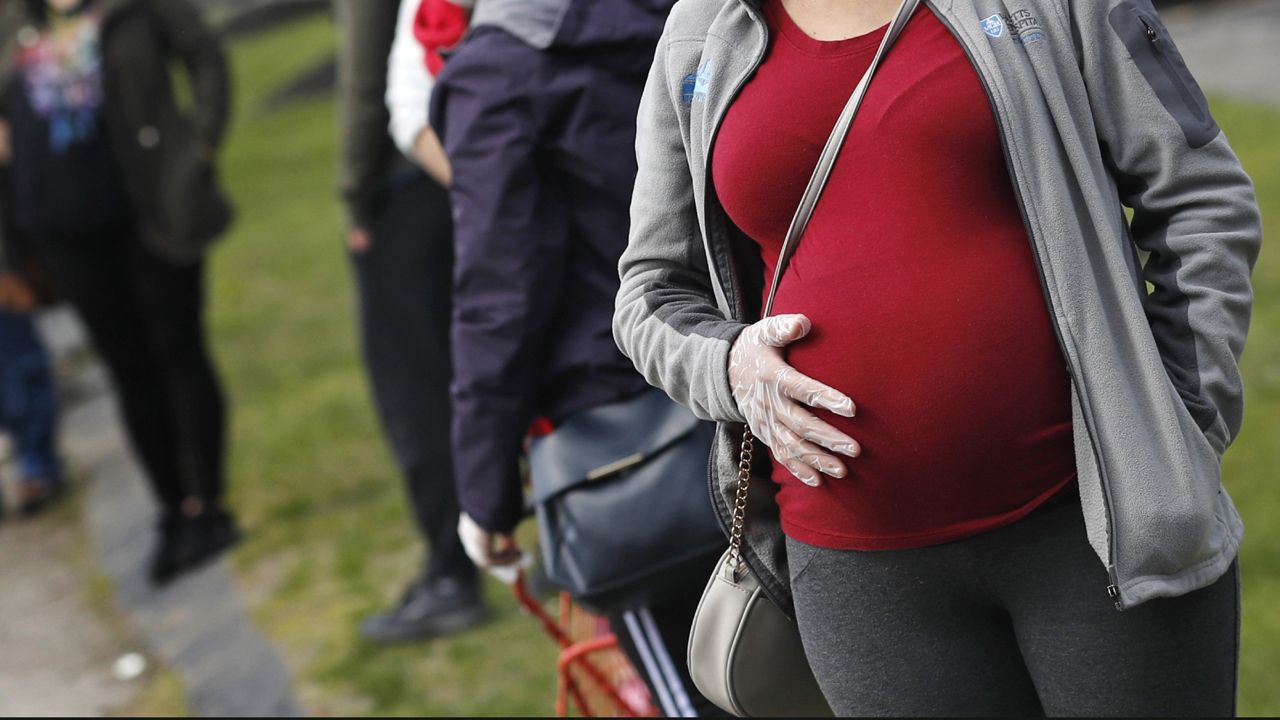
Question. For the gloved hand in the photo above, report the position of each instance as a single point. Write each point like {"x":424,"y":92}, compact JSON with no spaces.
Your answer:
{"x":495,"y":552}
{"x":773,"y":397}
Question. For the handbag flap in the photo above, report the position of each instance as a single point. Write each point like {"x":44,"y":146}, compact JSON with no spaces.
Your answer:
{"x":605,"y":440}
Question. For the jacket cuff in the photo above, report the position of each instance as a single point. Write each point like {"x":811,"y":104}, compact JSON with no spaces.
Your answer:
{"x":501,"y":520}
{"x":363,"y":209}
{"x":729,"y":411}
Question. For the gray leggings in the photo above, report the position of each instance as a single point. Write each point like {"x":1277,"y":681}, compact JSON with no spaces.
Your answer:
{"x":1012,"y":622}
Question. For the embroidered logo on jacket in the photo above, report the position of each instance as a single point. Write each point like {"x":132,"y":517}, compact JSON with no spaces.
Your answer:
{"x":696,"y":84}
{"x":993,"y":26}
{"x":1023,"y":27}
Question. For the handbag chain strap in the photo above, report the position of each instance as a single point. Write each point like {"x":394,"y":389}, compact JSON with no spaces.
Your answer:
{"x":799,"y":221}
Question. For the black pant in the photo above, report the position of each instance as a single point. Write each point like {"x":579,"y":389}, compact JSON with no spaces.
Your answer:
{"x":1013,"y":622}
{"x":656,"y":639}
{"x":405,"y":284}
{"x":145,"y":316}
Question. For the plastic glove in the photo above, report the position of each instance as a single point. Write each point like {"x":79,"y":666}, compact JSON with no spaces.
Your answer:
{"x":494,"y":552}
{"x":773,"y":397}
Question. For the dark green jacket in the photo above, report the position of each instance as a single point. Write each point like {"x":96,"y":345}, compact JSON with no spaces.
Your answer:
{"x":366,"y":29}
{"x":161,"y":149}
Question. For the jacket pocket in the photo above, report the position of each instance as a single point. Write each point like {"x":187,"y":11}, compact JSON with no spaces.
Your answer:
{"x":1136,"y":24}
{"x":192,"y":210}
{"x":1190,"y":411}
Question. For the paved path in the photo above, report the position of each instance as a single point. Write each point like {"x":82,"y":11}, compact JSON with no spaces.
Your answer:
{"x":1231,"y":46}
{"x":55,"y":655}
{"x":198,"y":626}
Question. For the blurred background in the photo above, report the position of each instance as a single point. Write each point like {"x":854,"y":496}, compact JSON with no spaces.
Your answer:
{"x":273,"y":630}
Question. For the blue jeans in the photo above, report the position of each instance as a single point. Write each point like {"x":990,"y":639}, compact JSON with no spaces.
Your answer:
{"x":28,"y":403}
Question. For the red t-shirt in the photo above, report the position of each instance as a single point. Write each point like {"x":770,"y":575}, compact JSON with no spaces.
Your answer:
{"x":919,"y":277}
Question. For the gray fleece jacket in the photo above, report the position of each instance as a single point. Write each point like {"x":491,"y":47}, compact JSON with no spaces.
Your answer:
{"x":1096,"y":112}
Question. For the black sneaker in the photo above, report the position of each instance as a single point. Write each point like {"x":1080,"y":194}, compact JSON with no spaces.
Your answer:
{"x":187,"y":543}
{"x":428,"y":609}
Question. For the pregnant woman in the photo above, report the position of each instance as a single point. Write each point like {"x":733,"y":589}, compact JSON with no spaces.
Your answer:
{"x":995,"y":479}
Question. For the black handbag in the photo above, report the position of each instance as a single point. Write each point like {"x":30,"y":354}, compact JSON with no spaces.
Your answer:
{"x":620,"y":492}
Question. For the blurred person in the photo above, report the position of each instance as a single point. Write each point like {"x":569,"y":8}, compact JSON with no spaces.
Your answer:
{"x":116,"y":188}
{"x":28,"y":398}
{"x":399,"y":237}
{"x":1038,"y":436}
{"x":28,"y":411}
{"x":536,"y":111}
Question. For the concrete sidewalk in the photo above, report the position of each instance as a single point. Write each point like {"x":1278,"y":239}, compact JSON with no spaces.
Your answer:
{"x":56,"y":656}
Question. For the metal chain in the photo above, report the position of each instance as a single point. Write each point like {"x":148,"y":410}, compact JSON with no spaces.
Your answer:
{"x":740,"y":503}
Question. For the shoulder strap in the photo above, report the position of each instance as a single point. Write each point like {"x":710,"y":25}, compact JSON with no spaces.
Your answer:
{"x":831,"y":150}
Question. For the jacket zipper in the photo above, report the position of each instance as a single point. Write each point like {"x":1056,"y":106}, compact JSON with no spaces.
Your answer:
{"x":1113,"y":587}
{"x":738,"y":302}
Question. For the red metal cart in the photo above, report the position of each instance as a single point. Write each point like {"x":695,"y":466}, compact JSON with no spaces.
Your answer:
{"x":594,"y":676}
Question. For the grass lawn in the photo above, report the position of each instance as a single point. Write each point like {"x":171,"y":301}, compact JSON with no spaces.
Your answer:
{"x":1251,"y":464}
{"x":330,"y":538}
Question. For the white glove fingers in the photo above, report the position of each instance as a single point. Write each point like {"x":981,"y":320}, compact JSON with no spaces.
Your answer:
{"x":799,"y":386}
{"x":476,"y":541}
{"x":783,"y":330}
{"x":795,"y":448}
{"x":803,"y":473}
{"x":818,"y":431}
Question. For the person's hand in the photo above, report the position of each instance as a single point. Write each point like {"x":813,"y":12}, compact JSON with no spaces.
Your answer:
{"x":495,"y":552}
{"x":6,"y":143}
{"x":430,"y":154}
{"x":15,"y":294}
{"x":773,"y":397}
{"x":359,"y":239}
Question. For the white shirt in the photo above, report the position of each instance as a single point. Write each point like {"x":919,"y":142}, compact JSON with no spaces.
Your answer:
{"x":408,"y":82}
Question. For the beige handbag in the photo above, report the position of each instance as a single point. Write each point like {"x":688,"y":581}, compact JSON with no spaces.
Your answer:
{"x":745,"y":655}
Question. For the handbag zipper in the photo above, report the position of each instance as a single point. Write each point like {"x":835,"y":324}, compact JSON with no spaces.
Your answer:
{"x":1113,"y":585}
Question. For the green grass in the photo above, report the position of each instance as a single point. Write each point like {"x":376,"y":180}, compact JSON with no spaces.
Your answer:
{"x":330,"y":538}
{"x":1251,"y":464}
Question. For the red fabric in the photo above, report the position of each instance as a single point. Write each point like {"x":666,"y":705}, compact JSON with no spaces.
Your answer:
{"x":541,"y":426}
{"x":439,"y":26}
{"x":919,"y":278}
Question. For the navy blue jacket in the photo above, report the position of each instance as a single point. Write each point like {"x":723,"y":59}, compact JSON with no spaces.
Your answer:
{"x":541,"y":142}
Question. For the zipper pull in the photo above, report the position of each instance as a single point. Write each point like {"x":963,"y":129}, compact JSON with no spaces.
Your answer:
{"x":1113,"y":592}
{"x":1153,"y":37}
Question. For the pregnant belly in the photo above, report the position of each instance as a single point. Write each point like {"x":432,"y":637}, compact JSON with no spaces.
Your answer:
{"x":962,"y":395}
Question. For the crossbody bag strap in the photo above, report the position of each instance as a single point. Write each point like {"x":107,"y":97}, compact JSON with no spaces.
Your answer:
{"x":818,"y":181}
{"x":799,"y":221}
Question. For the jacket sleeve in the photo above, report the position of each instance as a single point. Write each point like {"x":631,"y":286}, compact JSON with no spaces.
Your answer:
{"x":187,"y":36}
{"x":1194,"y":208}
{"x":666,"y":318}
{"x":511,"y":252}
{"x":366,"y":29}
